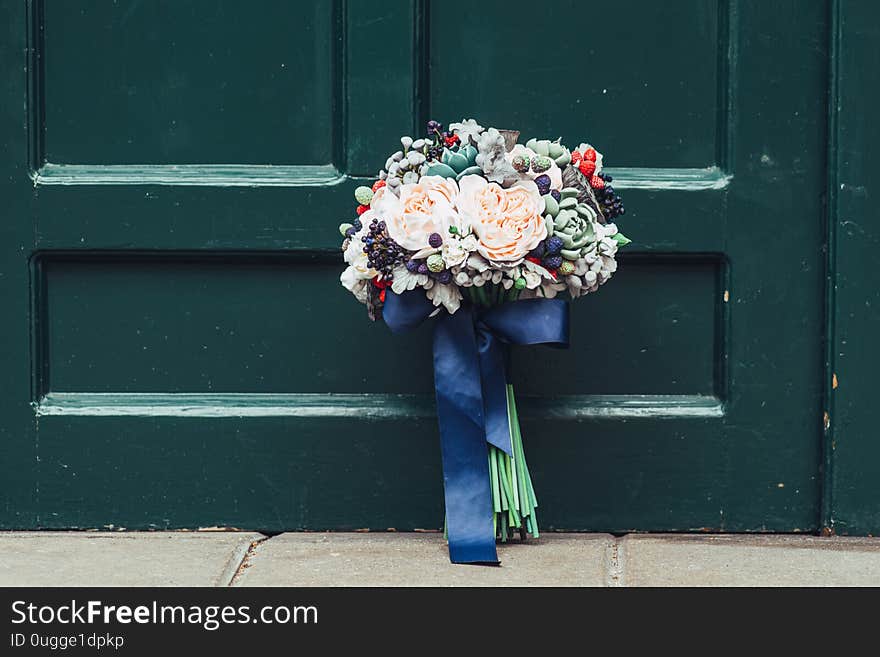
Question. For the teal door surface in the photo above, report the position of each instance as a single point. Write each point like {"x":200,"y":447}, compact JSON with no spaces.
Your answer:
{"x":177,"y":350}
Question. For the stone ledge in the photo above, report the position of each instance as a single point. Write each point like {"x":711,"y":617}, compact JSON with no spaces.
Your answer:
{"x":403,"y":559}
{"x":748,"y":560}
{"x":122,"y":558}
{"x":420,"y":559}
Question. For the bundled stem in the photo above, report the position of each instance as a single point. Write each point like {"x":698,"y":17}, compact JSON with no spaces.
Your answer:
{"x":513,"y":497}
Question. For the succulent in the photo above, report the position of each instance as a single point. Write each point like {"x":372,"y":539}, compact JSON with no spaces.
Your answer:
{"x":575,"y":227}
{"x":551,"y":149}
{"x":492,"y":148}
{"x":453,"y":163}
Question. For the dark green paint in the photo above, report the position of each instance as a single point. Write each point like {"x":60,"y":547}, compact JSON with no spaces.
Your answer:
{"x":183,"y":82}
{"x":639,"y":80}
{"x":853,"y":454}
{"x":178,"y":352}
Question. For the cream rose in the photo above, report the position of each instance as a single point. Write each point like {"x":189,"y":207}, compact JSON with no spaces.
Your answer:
{"x":422,"y":208}
{"x":507,"y":222}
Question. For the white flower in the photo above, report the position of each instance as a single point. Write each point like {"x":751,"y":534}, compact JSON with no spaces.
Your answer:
{"x":574,"y":286}
{"x":477,"y":262}
{"x":447,"y":295}
{"x":533,"y":279}
{"x":405,"y":280}
{"x":462,"y":279}
{"x":607,"y":246}
{"x":354,"y":253}
{"x":352,"y":282}
{"x":466,"y":129}
{"x":469,"y":243}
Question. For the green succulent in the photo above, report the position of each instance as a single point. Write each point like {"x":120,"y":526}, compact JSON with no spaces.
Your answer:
{"x":552,"y":149}
{"x":575,"y":225}
{"x":455,"y":164}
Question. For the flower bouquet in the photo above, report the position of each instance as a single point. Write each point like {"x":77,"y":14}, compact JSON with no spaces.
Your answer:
{"x":490,"y":237}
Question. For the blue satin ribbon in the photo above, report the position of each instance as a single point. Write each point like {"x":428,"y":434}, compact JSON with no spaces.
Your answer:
{"x":470,"y":380}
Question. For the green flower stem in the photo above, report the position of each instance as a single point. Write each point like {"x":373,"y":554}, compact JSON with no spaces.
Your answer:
{"x":493,"y":473}
{"x":513,"y":497}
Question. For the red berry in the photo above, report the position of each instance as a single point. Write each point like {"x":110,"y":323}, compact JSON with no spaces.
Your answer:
{"x":553,"y":273}
{"x":379,"y":184}
{"x":590,"y":154}
{"x":379,"y":283}
{"x":382,"y":295}
{"x":597,"y":183}
{"x":587,"y":167}
{"x":362,"y":208}
{"x":576,"y":157}
{"x":451,"y":141}
{"x":537,"y":261}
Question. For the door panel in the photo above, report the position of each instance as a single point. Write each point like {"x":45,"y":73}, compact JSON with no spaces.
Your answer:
{"x":173,"y":262}
{"x":190,"y":82}
{"x":641,"y":77}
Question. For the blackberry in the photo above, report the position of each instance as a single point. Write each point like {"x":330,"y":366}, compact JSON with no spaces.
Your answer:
{"x":554,"y":245}
{"x":413,"y":266}
{"x":553,"y":262}
{"x":556,"y":195}
{"x":543,"y":183}
{"x":444,"y":277}
{"x":423,"y":268}
{"x":383,"y":253}
{"x":538,"y":251}
{"x":435,"y":152}
{"x":433,"y":126}
{"x":609,"y":202}
{"x":435,"y":240}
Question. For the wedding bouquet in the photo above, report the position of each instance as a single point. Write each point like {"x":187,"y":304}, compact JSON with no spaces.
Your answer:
{"x":490,"y":237}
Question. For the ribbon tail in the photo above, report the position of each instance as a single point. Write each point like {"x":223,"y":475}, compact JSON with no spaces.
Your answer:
{"x":463,"y":441}
{"x":493,"y":369}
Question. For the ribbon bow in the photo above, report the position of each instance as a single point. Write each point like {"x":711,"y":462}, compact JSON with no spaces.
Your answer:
{"x":470,"y":349}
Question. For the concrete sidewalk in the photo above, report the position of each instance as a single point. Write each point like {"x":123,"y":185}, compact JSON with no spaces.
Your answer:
{"x":400,"y":559}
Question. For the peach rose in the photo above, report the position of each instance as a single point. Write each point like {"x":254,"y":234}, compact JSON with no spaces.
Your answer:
{"x":422,"y":208}
{"x":507,"y":222}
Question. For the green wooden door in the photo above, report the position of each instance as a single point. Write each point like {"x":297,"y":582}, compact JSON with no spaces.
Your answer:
{"x":177,"y":349}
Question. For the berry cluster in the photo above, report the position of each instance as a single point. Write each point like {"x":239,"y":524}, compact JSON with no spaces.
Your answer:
{"x":441,"y":139}
{"x":609,"y":201}
{"x":383,"y":253}
{"x":434,"y":266}
{"x":548,"y":254}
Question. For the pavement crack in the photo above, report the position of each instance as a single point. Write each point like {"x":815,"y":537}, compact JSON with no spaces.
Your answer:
{"x":244,"y":563}
{"x":614,"y":564}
